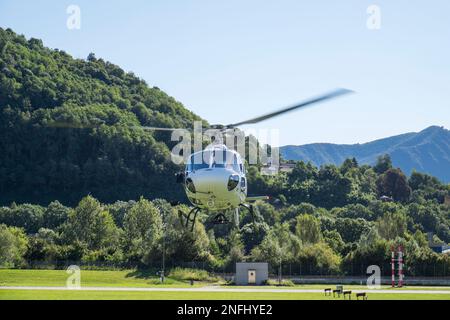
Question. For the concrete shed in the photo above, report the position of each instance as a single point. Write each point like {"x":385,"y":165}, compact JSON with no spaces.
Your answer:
{"x":251,"y":273}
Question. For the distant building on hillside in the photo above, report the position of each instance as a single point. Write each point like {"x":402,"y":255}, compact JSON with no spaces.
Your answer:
{"x":435,"y":246}
{"x":386,"y":199}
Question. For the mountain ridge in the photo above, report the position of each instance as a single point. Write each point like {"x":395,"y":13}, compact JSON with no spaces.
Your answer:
{"x":427,"y":151}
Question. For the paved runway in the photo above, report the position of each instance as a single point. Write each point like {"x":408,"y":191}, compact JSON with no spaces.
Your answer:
{"x":221,"y":289}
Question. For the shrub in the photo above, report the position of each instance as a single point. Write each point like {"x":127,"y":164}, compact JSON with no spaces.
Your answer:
{"x":284,"y":283}
{"x":191,"y":274}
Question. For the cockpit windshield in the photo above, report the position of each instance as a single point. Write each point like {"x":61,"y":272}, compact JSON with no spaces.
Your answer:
{"x":213,"y":159}
{"x":224,"y":159}
{"x":198,"y":161}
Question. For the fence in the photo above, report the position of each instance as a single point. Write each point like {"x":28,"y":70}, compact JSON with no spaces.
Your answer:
{"x":287,"y":269}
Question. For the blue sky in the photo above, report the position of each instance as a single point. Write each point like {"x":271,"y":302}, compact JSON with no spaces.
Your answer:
{"x":231,"y":60}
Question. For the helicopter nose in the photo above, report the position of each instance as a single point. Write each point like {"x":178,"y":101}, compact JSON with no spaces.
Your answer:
{"x":211,"y":180}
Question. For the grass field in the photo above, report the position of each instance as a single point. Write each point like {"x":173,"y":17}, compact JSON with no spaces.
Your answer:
{"x":134,"y":279}
{"x":89,"y":278}
{"x":106,"y":295}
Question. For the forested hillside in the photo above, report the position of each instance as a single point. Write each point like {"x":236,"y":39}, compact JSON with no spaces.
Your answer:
{"x":39,"y":163}
{"x":427,"y":151}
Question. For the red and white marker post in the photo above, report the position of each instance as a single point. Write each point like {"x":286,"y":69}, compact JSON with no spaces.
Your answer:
{"x":392,"y":267}
{"x":400,"y":266}
{"x":399,"y":260}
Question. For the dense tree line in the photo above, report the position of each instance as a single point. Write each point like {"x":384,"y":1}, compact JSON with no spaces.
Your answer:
{"x":291,"y":231}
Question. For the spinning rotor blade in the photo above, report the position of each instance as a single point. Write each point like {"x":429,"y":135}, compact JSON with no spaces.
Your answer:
{"x":68,"y":125}
{"x":224,"y":129}
{"x":158,"y":128}
{"x":327,"y":96}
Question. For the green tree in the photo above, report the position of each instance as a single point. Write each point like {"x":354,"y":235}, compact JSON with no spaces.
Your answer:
{"x":90,"y":224}
{"x":392,"y":225}
{"x":319,"y":258}
{"x":334,"y":240}
{"x":55,"y":215}
{"x":279,"y":246}
{"x":348,"y":164}
{"x":26,"y":216}
{"x":236,"y":251}
{"x":143,"y":229}
{"x":292,"y":211}
{"x":394,"y":183}
{"x":357,"y":261}
{"x":13,"y":246}
{"x":333,"y":188}
{"x":267,"y":212}
{"x":253,"y":233}
{"x":420,"y":238}
{"x":180,"y":244}
{"x":43,"y":246}
{"x":384,"y":163}
{"x":427,"y":187}
{"x":354,"y":211}
{"x":351,"y":229}
{"x":119,"y":209}
{"x":302,"y":182}
{"x":308,"y":229}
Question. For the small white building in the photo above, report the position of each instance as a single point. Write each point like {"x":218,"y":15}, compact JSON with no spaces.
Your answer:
{"x":251,"y":273}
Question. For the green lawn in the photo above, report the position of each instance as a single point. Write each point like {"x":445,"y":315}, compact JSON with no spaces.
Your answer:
{"x":105,"y":295}
{"x":137,"y":279}
{"x":347,"y":286}
{"x":89,"y":278}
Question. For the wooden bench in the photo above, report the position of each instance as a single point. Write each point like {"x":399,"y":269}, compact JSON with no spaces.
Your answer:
{"x":349,"y":293}
{"x":327,"y":291}
{"x":363,"y":295}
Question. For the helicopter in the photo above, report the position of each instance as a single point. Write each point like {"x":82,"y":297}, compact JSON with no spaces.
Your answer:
{"x":214,"y":178}
{"x":215,"y":181}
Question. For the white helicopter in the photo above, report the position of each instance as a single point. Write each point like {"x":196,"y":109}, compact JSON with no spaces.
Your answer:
{"x":214,"y":179}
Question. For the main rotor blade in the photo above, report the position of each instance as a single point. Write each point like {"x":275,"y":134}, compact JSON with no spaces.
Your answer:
{"x":158,"y":128}
{"x":327,"y":96}
{"x":68,"y":125}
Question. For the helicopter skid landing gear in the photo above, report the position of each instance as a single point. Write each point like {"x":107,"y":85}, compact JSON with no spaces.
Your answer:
{"x":187,"y":220}
{"x":250,"y":209}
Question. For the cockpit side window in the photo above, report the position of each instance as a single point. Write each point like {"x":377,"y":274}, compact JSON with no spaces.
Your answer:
{"x":236,"y":166}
